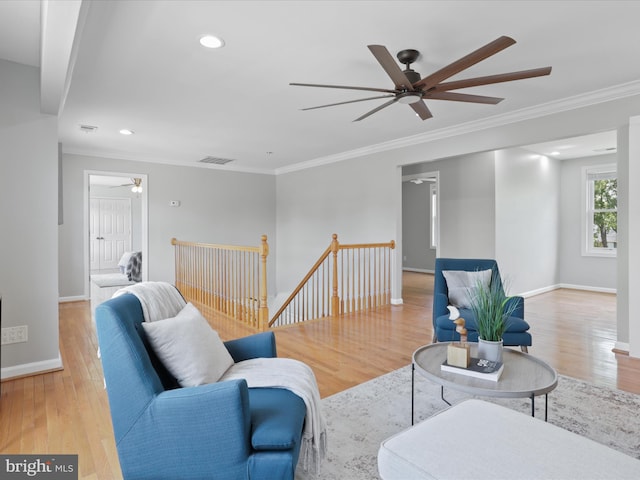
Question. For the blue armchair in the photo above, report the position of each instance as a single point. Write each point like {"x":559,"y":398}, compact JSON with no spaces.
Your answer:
{"x":444,"y":330}
{"x":222,"y":430}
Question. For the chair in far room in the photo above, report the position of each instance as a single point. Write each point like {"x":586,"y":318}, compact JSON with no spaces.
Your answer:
{"x":444,"y":330}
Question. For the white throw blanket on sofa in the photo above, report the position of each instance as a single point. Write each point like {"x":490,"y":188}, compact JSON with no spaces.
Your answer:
{"x":299,"y":378}
{"x":159,"y":300}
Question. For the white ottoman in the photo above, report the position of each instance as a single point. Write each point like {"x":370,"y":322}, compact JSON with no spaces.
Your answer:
{"x":480,"y":440}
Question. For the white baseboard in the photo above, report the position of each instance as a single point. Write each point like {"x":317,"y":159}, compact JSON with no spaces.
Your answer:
{"x":32,"y":368}
{"x":77,"y":298}
{"x":396,"y":301}
{"x":417,"y":270}
{"x":551,"y":288}
{"x":538,"y":291}
{"x":588,"y":288}
{"x":621,"y":346}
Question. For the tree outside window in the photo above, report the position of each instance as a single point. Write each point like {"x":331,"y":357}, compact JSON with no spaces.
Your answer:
{"x":602,"y":215}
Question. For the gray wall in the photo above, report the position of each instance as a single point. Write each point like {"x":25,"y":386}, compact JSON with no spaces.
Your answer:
{"x":573,"y":267}
{"x":537,"y":210}
{"x":527,"y":220}
{"x":216,"y":207}
{"x":357,"y":199}
{"x":29,"y":218}
{"x":467,"y":204}
{"x":417,"y":253}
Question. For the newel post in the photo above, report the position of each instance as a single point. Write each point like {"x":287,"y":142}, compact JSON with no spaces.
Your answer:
{"x":335,"y":300}
{"x":263,"y":310}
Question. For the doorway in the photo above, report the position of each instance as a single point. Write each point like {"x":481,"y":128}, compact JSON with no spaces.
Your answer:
{"x":115,"y":221}
{"x":420,"y":221}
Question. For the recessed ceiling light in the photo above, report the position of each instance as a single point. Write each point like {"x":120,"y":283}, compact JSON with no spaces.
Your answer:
{"x":211,"y":41}
{"x":555,"y":153}
{"x":126,"y":131}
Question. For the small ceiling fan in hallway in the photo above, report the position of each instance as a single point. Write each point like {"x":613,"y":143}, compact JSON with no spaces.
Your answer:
{"x":135,"y":184}
{"x":410,"y":88}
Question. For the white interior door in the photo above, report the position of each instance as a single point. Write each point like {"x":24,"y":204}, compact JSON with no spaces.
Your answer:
{"x":109,"y":231}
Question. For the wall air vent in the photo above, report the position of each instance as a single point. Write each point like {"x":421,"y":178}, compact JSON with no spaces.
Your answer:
{"x":607,"y":149}
{"x":216,"y":160}
{"x":88,"y":128}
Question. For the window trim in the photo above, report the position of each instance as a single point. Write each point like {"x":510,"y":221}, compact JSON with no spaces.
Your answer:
{"x":587,"y":220}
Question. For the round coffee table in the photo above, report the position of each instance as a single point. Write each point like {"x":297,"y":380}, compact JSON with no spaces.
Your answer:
{"x":523,"y":376}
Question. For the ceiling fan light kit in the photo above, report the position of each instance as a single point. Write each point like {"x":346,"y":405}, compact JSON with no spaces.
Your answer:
{"x":409,"y":97}
{"x":410,"y":89}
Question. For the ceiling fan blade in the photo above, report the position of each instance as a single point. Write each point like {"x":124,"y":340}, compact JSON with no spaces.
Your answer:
{"x":368,"y":89}
{"x":465,"y":62}
{"x":390,"y":66}
{"x":462,"y":97}
{"x":350,"y":101}
{"x":421,"y":110}
{"x":503,"y":77}
{"x":377,"y":109}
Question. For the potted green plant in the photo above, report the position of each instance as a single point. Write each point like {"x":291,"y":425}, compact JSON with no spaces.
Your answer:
{"x":492,"y":308}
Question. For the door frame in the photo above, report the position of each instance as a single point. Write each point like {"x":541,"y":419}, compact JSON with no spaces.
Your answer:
{"x":144,"y":220}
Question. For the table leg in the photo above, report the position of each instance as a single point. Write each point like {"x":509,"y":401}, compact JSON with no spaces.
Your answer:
{"x":533,"y":405}
{"x":546,"y":405}
{"x":413,"y":374}
{"x":442,"y":396}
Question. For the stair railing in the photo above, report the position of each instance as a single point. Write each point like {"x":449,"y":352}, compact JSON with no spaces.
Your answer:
{"x":345,"y":279}
{"x":228,"y":279}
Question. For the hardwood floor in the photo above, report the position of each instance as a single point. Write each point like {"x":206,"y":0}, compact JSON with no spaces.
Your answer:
{"x":68,"y":412}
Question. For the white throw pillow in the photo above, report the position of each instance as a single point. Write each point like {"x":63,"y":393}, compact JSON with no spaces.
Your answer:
{"x":462,"y":285}
{"x":189,"y":348}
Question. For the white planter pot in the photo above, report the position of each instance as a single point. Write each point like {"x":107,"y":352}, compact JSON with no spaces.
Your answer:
{"x":489,"y":350}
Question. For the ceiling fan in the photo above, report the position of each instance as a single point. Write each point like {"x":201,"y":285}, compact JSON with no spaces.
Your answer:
{"x":410,"y":89}
{"x":135,"y":184}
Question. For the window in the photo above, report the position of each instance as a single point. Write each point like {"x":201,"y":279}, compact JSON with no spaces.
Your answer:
{"x":433,"y":195}
{"x":601,"y":225}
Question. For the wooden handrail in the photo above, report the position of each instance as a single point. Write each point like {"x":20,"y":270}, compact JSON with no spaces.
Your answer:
{"x":227,"y":279}
{"x":354,"y":285}
{"x":175,"y":242}
{"x":302,"y":283}
{"x":232,"y":280}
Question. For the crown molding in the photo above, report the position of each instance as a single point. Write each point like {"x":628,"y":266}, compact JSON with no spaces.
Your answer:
{"x":570,"y":103}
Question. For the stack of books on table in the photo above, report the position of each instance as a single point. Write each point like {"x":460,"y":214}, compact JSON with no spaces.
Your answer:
{"x":478,"y":368}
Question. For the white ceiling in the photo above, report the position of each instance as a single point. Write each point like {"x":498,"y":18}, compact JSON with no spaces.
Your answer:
{"x":138,"y":65}
{"x":576,"y":147}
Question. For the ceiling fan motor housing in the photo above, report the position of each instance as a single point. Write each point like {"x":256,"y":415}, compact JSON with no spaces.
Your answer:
{"x":407,"y":57}
{"x":412,"y":75}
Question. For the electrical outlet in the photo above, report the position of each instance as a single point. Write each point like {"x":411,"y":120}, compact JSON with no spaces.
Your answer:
{"x":14,"y":334}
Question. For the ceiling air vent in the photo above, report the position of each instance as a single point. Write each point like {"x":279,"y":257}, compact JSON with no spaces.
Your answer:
{"x":216,"y":160}
{"x":88,"y":128}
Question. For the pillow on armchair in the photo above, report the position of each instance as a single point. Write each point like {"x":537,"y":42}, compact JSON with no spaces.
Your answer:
{"x":134,"y":267}
{"x":189,"y":348}
{"x":462,"y":285}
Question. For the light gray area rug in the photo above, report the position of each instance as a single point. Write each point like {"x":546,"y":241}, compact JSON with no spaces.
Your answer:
{"x":358,"y":419}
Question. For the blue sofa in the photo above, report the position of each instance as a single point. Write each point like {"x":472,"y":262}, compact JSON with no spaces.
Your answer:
{"x":444,"y":330}
{"x":222,"y":430}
